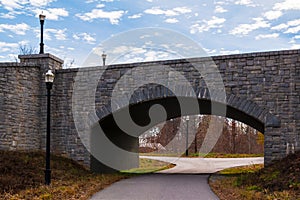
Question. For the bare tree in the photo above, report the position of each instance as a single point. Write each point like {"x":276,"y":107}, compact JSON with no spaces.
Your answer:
{"x":27,"y":50}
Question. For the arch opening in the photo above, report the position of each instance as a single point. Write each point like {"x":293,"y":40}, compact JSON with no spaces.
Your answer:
{"x":139,"y":113}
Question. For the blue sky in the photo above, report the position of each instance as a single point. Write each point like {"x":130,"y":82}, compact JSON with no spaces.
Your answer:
{"x":74,"y":28}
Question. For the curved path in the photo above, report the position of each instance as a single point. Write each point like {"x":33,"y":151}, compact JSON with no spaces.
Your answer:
{"x":185,"y":181}
{"x":159,"y":187}
{"x":204,"y":165}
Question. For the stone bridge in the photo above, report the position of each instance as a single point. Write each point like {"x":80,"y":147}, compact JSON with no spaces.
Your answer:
{"x":259,"y":89}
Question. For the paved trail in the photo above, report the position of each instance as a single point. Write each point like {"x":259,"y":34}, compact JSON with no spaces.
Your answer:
{"x":159,"y":187}
{"x":204,"y":165}
{"x":187,"y":180}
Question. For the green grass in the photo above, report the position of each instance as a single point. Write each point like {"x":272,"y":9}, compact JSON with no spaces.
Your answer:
{"x":149,"y":166}
{"x":242,"y":169}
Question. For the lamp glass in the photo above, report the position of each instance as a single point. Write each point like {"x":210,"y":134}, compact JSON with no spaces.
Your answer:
{"x":49,"y":77}
{"x":42,"y":17}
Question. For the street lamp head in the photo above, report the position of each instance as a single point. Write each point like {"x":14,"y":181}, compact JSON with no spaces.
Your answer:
{"x":104,"y":55}
{"x":42,"y":17}
{"x":103,"y":58}
{"x":49,"y":77}
{"x":187,"y":118}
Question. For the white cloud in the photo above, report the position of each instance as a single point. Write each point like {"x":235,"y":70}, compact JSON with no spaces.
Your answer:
{"x":295,"y":46}
{"x":273,"y":14}
{"x":59,"y":34}
{"x":244,"y":29}
{"x":9,"y":15}
{"x":287,"y":5}
{"x":113,"y":16}
{"x":227,"y":52}
{"x":39,"y":3}
{"x":52,"y":13}
{"x":19,"y":4}
{"x":267,"y":36}
{"x":280,"y":27}
{"x":12,"y":4}
{"x":209,"y":51}
{"x":19,"y":29}
{"x":182,"y":10}
{"x":287,"y":25}
{"x":220,"y":2}
{"x":248,"y":3}
{"x":220,"y":9}
{"x":293,"y":30}
{"x":92,"y":1}
{"x":295,"y":22}
{"x":171,"y":20}
{"x":85,"y":37}
{"x":169,"y":13}
{"x":8,"y":47}
{"x":215,"y":22}
{"x":135,"y":16}
{"x":100,"y":6}
{"x":297,"y":37}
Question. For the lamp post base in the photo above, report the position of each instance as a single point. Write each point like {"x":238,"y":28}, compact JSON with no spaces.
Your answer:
{"x":47,"y":176}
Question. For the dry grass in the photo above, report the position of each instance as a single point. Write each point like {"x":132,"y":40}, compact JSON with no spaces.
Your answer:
{"x":22,"y":177}
{"x":280,"y":180}
{"x":149,"y":166}
{"x":209,"y":155}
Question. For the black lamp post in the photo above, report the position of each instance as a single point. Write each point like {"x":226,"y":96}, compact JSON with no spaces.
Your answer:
{"x":49,"y":78}
{"x":187,"y":136}
{"x":103,"y":58}
{"x":42,"y":20}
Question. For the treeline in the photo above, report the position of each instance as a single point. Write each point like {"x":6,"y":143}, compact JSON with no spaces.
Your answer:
{"x":235,"y":137}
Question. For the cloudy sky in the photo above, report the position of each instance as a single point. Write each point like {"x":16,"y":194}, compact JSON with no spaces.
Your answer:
{"x":74,"y":28}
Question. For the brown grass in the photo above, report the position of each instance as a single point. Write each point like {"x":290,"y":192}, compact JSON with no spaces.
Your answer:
{"x":281,"y":180}
{"x":22,"y":177}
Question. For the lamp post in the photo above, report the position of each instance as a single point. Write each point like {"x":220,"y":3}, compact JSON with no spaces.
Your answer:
{"x":103,"y":58}
{"x":42,"y":20}
{"x":49,"y":78}
{"x":187,"y":136}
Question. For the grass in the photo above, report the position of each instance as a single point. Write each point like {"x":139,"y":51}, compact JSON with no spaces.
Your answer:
{"x":22,"y":177}
{"x":242,"y":169}
{"x":224,"y":155}
{"x":149,"y":166}
{"x":281,"y":180}
{"x":209,"y":155}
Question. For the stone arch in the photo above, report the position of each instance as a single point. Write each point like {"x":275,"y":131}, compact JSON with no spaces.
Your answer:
{"x":238,"y":108}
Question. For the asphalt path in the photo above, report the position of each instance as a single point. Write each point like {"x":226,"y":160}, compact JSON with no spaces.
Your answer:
{"x":204,"y":165}
{"x":159,"y":187}
{"x":187,"y":180}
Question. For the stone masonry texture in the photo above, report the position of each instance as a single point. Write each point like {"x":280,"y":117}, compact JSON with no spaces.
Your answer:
{"x":264,"y":86}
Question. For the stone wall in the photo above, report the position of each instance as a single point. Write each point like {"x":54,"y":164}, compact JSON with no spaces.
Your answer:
{"x":264,"y":86}
{"x":19,"y":106}
{"x":23,"y":101}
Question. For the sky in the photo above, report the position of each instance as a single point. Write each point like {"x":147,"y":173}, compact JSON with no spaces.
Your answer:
{"x":73,"y":29}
